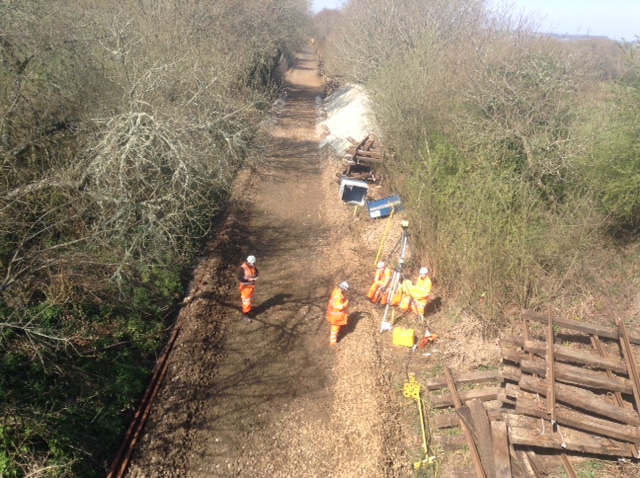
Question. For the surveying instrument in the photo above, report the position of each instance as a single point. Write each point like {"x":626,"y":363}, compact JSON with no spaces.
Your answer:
{"x":396,"y":279}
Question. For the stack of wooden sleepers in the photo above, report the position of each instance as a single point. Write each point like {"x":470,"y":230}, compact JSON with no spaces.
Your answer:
{"x":566,"y":389}
{"x":361,"y":158}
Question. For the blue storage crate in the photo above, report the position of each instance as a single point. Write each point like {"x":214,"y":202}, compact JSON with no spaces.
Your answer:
{"x":383,"y":207}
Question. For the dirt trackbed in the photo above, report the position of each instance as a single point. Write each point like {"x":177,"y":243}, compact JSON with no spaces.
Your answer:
{"x":271,"y":398}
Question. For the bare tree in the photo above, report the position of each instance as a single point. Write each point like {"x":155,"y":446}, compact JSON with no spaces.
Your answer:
{"x":122,"y":126}
{"x":523,"y":97}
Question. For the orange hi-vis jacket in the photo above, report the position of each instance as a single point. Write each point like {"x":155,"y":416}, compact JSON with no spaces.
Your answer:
{"x":380,"y":280}
{"x":250,"y":273}
{"x":337,"y":308}
{"x":416,"y":295}
{"x":246,"y":274}
{"x":382,"y":277}
{"x":421,"y":290}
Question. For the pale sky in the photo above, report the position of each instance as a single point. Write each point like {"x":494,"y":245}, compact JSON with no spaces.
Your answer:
{"x":616,"y":19}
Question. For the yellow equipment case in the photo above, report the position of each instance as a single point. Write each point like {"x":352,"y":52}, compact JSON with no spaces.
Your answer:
{"x":403,"y":337}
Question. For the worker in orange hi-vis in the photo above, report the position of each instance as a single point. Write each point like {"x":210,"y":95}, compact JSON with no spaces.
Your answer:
{"x":416,"y":295}
{"x":380,"y":282}
{"x":247,"y":275}
{"x":337,"y":314}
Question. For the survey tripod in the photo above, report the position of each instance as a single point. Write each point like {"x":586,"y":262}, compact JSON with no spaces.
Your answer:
{"x":397,"y":277}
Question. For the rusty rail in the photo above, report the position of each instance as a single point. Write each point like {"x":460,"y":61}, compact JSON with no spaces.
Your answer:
{"x":123,"y":457}
{"x":475,"y":456}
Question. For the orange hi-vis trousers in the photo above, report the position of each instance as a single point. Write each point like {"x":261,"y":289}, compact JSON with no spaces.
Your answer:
{"x":246,"y":292}
{"x":337,"y":314}
{"x":375,"y":293}
{"x":417,"y":305}
{"x":380,"y":280}
{"x":333,"y":338}
{"x":372,"y":290}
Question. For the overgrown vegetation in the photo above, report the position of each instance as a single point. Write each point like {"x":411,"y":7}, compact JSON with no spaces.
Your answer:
{"x":122,"y":125}
{"x":517,"y":153}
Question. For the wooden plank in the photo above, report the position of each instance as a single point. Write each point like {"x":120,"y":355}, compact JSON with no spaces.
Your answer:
{"x":359,"y":158}
{"x":502,"y":396}
{"x":368,"y":142}
{"x":631,"y":364}
{"x":360,"y":176}
{"x":551,"y":374}
{"x":508,"y":339}
{"x":348,"y":171}
{"x":512,"y":390}
{"x":463,"y":378}
{"x":597,"y":345}
{"x":583,"y":443}
{"x":583,"y":399}
{"x":372,"y":153}
{"x":352,"y":141}
{"x":502,"y":462}
{"x":567,"y":354}
{"x":446,"y":400}
{"x":367,"y":160}
{"x":477,"y":463}
{"x":586,"y":328}
{"x":509,"y":372}
{"x":451,"y":419}
{"x":358,"y":145}
{"x":535,"y":461}
{"x":464,"y":416}
{"x":580,"y":376}
{"x":483,"y":434}
{"x":527,"y":334}
{"x":527,"y":466}
{"x":514,"y":355}
{"x":446,"y":420}
{"x":527,"y":404}
{"x":527,"y":433}
{"x":450,"y":443}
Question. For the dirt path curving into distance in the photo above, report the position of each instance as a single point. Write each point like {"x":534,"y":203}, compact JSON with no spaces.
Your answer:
{"x":271,"y":398}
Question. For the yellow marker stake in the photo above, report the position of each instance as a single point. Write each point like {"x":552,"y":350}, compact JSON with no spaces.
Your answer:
{"x":412,"y":390}
{"x":384,"y":235}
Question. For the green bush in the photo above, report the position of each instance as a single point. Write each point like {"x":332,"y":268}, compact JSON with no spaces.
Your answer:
{"x":611,"y":168}
{"x":79,"y":398}
{"x":490,"y":234}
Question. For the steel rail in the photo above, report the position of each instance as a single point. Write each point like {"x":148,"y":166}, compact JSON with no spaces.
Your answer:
{"x":457,"y":403}
{"x":123,"y":457}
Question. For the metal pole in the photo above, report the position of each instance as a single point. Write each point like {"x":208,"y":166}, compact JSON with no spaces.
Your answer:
{"x":397,"y":275}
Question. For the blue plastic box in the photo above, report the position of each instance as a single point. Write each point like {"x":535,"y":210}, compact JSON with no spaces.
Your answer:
{"x":383,"y":207}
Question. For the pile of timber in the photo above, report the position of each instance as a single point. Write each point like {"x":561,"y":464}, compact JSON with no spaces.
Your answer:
{"x":569,"y":389}
{"x":331,"y":83}
{"x":361,"y":158}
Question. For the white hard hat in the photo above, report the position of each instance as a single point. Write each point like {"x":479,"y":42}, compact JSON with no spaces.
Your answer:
{"x":251,"y":260}
{"x":344,"y":286}
{"x":424,"y":271}
{"x":380,"y":265}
